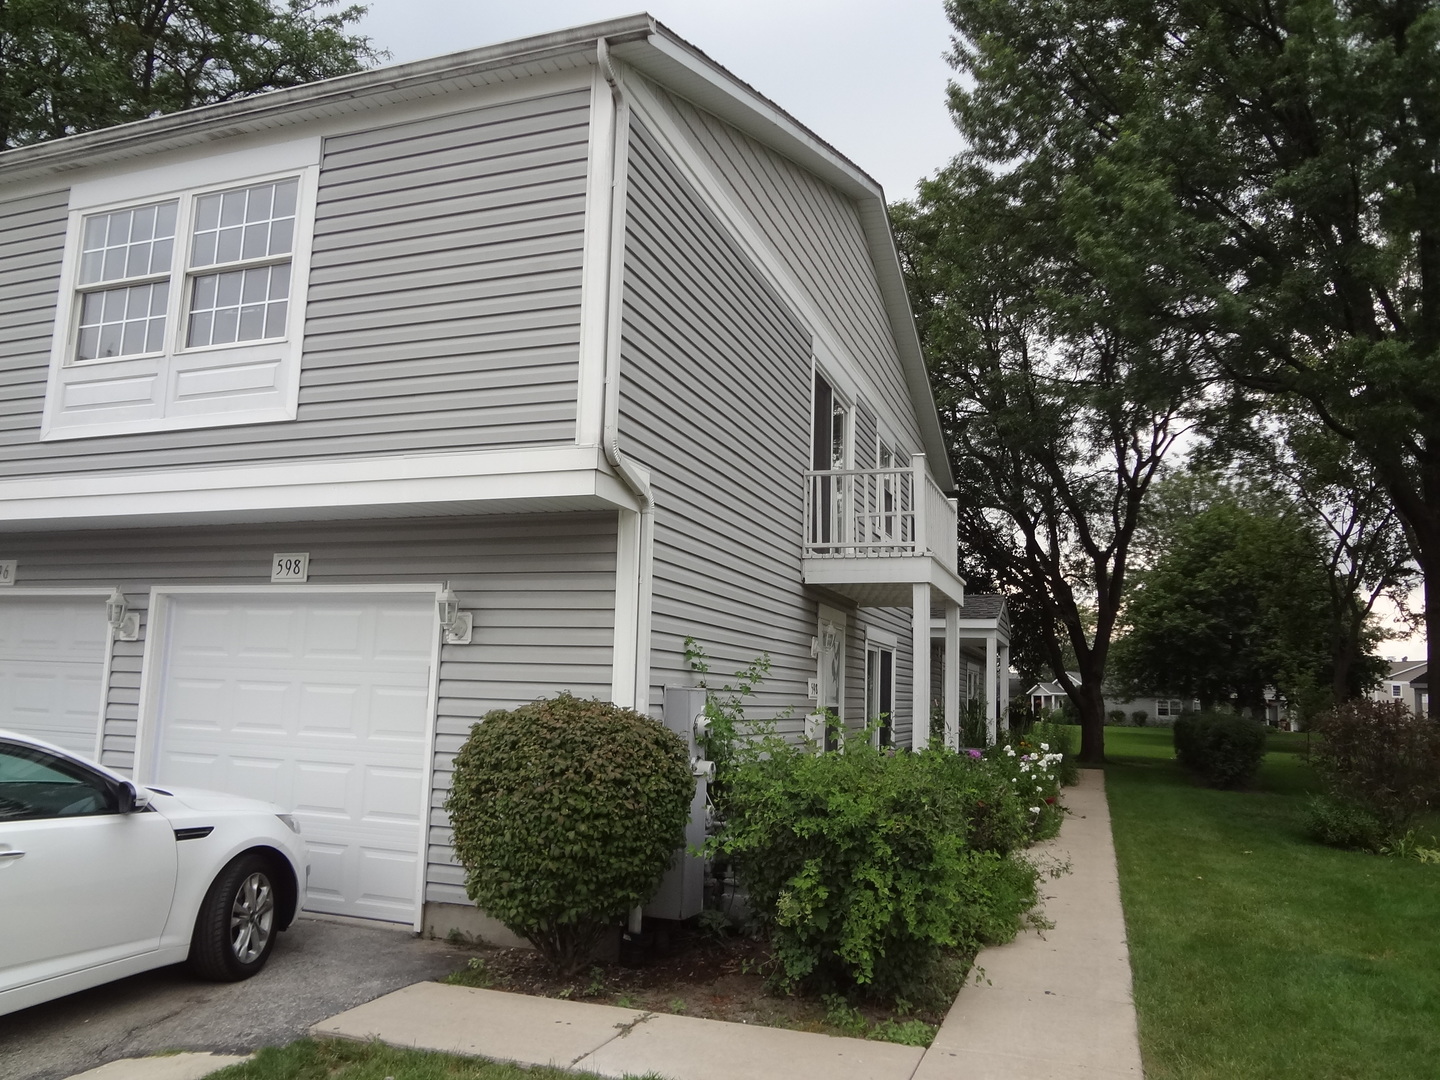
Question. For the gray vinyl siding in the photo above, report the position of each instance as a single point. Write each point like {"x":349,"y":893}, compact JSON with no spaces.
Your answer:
{"x":542,"y":589}
{"x":715,"y":401}
{"x":443,"y":309}
{"x":817,"y":232}
{"x":32,"y":243}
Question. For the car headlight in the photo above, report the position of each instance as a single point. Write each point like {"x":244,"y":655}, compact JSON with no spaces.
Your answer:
{"x":290,"y":822}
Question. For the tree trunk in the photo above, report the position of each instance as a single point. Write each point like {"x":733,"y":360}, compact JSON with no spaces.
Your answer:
{"x":1090,"y":699}
{"x":1432,"y":627}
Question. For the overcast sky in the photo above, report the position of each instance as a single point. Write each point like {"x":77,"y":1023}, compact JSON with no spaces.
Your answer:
{"x":867,"y":76}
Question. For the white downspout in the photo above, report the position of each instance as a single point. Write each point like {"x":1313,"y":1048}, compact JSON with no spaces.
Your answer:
{"x":634,"y":478}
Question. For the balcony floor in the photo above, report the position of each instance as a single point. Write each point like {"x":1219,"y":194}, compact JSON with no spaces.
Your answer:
{"x":881,"y":581}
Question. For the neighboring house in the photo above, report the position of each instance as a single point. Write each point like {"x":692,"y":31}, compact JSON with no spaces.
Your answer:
{"x":1407,"y":682}
{"x":1158,"y":710}
{"x":1047,"y":695}
{"x":339,"y":416}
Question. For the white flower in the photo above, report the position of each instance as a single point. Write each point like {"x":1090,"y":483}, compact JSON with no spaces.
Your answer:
{"x":1034,"y":809}
{"x":1044,"y":746}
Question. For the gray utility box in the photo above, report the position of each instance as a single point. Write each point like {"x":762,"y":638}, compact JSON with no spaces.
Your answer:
{"x":682,"y":890}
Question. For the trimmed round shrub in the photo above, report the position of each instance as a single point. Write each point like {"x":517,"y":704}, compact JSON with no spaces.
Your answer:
{"x":566,"y":813}
{"x":1116,"y":716}
{"x":1225,"y":749}
{"x":1378,"y":757}
{"x":1140,"y":717}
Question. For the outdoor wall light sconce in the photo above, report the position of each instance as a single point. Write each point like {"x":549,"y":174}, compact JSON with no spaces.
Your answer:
{"x":455,"y":625}
{"x":123,"y":623}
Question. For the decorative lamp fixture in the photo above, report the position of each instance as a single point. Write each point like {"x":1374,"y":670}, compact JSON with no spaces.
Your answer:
{"x":455,"y":625}
{"x":123,"y":623}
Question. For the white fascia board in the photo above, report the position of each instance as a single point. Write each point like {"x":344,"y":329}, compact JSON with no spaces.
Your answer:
{"x":534,"y":474}
{"x":359,"y":92}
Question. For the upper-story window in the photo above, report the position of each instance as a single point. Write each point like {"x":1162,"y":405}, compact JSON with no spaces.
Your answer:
{"x":182,"y":309}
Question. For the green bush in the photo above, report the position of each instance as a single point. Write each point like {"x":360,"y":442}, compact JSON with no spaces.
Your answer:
{"x":1140,"y":716}
{"x":1116,"y":716}
{"x":1343,"y":824}
{"x":1225,"y":749}
{"x":566,"y":813}
{"x":1377,"y":756}
{"x":1058,"y":739}
{"x":865,"y":867}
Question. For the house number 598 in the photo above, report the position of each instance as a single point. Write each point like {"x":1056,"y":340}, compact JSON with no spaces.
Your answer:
{"x":290,"y":566}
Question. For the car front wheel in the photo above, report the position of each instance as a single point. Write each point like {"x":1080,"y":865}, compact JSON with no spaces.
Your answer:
{"x":235,"y":929}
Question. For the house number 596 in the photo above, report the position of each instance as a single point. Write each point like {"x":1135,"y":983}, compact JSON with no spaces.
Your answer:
{"x":290,"y":566}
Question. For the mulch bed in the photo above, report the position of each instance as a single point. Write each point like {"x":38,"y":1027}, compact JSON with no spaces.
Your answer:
{"x":682,"y":969}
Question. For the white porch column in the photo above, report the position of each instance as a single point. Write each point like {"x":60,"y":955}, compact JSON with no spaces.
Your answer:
{"x":920,"y":665}
{"x":952,"y":675}
{"x":1004,"y":686}
{"x":992,"y":700}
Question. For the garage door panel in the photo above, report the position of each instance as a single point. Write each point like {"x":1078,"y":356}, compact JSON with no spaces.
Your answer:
{"x":398,"y":713}
{"x":319,"y":705}
{"x":387,"y":879}
{"x":328,"y":790}
{"x":392,"y":795}
{"x":332,"y":710}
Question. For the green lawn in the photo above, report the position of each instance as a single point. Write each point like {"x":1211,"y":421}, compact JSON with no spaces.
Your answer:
{"x":341,"y":1060}
{"x":1256,"y":952}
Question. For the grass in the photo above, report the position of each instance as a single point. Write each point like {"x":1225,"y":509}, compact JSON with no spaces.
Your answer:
{"x":324,"y":1059}
{"x":1257,"y":952}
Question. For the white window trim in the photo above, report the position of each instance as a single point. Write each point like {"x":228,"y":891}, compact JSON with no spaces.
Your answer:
{"x":239,"y":369}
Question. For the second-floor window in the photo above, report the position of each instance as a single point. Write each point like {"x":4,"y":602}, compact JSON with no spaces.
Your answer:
{"x":231,"y":272}
{"x":183,"y":309}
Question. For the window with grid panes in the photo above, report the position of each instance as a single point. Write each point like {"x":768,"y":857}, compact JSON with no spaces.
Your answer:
{"x":181,"y":311}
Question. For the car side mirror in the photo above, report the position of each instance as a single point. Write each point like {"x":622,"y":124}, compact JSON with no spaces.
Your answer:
{"x":131,"y":798}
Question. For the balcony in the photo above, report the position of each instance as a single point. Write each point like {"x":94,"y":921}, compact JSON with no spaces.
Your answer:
{"x":873,"y":534}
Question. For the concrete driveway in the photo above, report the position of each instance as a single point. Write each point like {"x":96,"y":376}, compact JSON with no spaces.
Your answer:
{"x":318,"y":968}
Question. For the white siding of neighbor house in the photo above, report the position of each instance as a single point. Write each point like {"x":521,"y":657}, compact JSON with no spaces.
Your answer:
{"x":816,"y":230}
{"x":541,"y":588}
{"x":715,"y":401}
{"x":444,"y":300}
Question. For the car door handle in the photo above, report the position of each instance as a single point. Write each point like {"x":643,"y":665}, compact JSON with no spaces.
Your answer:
{"x":11,"y":854}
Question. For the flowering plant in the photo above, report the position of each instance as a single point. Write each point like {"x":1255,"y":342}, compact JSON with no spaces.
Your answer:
{"x":1033,"y":771}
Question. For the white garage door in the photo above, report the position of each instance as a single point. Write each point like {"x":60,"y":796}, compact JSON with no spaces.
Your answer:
{"x":52,"y":653}
{"x":319,"y":704}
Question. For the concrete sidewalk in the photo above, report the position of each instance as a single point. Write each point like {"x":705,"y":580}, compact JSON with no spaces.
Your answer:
{"x":1053,"y":1006}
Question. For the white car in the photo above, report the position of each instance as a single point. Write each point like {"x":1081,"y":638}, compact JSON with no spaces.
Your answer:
{"x":101,"y":878}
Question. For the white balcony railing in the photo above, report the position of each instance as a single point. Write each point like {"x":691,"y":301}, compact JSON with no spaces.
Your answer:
{"x":878,"y":513}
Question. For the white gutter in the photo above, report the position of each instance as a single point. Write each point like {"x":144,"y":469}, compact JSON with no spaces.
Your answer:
{"x":633,"y":477}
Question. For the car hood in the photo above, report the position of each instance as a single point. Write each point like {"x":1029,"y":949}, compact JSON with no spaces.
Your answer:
{"x":174,"y":799}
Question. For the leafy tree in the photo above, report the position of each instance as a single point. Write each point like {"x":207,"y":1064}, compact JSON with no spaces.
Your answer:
{"x":1236,"y":603}
{"x":1058,"y":400}
{"x":1359,"y":532}
{"x":68,"y":66}
{"x":1292,"y":147}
